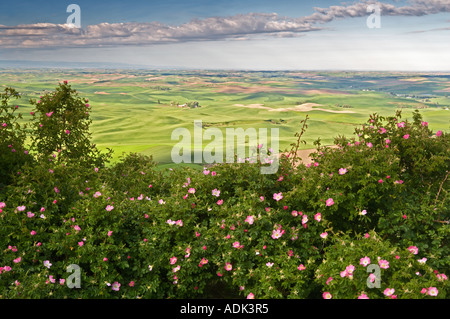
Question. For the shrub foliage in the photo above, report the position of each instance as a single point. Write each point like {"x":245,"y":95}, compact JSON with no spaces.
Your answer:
{"x":379,"y":199}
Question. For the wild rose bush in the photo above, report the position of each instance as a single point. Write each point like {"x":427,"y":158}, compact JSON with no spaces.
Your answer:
{"x":13,"y":153}
{"x":137,"y":231}
{"x":169,"y":243}
{"x":394,"y":179}
{"x":402,"y":274}
{"x":60,"y":128}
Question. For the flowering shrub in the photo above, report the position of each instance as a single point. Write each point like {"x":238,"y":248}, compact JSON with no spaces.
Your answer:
{"x":401,"y":274}
{"x":60,"y":128}
{"x":13,"y":154}
{"x":397,"y":188}
{"x":136,"y":231}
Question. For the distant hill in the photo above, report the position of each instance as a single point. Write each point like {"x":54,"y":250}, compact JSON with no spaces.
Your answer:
{"x":25,"y":64}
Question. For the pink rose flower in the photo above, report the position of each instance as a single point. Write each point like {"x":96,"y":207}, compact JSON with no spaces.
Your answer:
{"x":327,"y":295}
{"x":329,"y":202}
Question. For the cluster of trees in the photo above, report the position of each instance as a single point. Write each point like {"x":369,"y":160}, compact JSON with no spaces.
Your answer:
{"x":190,"y":104}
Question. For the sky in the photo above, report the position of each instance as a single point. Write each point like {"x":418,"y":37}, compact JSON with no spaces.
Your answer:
{"x":396,"y":35}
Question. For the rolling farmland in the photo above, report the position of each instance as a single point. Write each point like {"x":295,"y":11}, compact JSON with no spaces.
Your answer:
{"x":137,"y":110}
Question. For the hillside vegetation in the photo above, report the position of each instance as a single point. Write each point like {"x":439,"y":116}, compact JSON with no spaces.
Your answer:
{"x":379,"y":201}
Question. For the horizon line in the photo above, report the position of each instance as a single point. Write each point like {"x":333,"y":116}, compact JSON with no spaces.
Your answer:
{"x":172,"y":68}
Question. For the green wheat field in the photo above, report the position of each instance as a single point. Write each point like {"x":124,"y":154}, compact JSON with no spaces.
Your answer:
{"x":137,"y":110}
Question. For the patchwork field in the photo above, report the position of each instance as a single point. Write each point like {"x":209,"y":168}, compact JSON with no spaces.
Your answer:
{"x":137,"y":110}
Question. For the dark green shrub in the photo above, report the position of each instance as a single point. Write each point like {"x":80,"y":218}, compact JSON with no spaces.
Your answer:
{"x":186,"y":233}
{"x":60,"y":128}
{"x":13,"y":152}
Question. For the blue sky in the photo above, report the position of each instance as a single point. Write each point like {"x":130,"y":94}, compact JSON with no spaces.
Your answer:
{"x":168,"y":11}
{"x":215,"y":34}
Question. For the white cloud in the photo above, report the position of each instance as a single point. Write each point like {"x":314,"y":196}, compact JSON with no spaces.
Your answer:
{"x":417,"y":8}
{"x":213,"y":28}
{"x":242,"y":26}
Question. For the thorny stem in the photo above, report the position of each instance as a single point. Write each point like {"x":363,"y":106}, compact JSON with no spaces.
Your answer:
{"x":437,"y":196}
{"x":440,"y":188}
{"x":295,"y":146}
